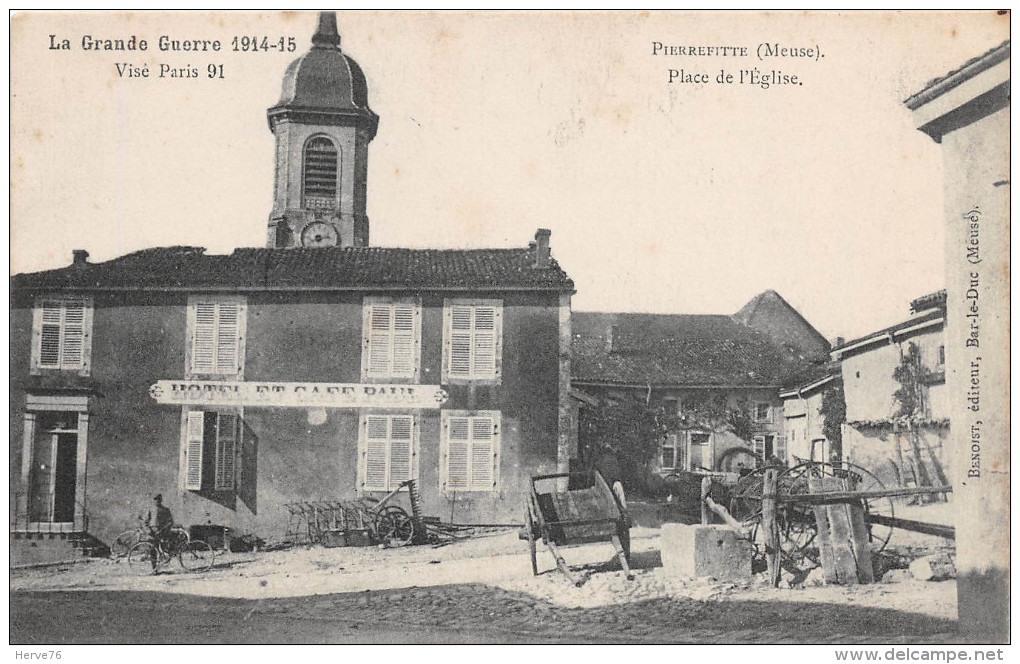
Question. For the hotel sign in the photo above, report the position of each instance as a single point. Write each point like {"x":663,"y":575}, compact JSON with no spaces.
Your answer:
{"x":296,"y":395}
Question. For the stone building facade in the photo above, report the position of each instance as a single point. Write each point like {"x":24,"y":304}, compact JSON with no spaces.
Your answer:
{"x":316,"y":368}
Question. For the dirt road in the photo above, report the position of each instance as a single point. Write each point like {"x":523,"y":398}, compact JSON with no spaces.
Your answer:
{"x":480,"y":590}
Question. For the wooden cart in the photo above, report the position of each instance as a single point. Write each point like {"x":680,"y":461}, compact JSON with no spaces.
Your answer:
{"x":587,"y":511}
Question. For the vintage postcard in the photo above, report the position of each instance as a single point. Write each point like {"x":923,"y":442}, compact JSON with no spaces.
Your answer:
{"x":501,"y":327}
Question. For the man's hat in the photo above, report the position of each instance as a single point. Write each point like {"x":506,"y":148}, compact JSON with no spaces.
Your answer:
{"x":158,"y":496}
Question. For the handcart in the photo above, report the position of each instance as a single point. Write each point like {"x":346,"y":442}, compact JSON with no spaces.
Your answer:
{"x":587,"y":511}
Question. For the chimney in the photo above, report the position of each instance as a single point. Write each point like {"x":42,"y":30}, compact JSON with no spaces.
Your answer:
{"x":610,"y":333}
{"x":80,"y":258}
{"x":542,"y":248}
{"x":839,"y":342}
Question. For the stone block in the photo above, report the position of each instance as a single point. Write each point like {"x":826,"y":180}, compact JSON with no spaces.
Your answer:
{"x":704,"y":550}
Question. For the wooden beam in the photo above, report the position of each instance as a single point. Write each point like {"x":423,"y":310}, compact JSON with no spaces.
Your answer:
{"x":770,"y":527}
{"x":821,"y":497}
{"x":938,"y":530}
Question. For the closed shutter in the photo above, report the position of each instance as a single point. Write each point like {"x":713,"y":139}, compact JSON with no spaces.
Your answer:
{"x":72,"y":345}
{"x":758,"y":446}
{"x":194,"y":435}
{"x":484,"y":360}
{"x":49,"y":350}
{"x":228,"y":330}
{"x":482,"y":449}
{"x":403,"y":340}
{"x":226,"y":450}
{"x":377,"y":430}
{"x":216,"y":338}
{"x":460,"y":341}
{"x":458,"y":452}
{"x":378,"y":342}
{"x":400,"y":450}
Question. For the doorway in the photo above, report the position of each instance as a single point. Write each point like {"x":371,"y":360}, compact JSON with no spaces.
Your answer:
{"x":54,"y":472}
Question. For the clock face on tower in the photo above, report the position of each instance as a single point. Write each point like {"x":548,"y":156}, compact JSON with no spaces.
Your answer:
{"x":319,"y":234}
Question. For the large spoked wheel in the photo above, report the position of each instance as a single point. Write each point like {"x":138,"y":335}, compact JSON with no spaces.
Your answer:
{"x":121,"y":544}
{"x":394,"y":527}
{"x":529,"y":525}
{"x":797,"y":525}
{"x":143,"y":558}
{"x":737,"y":459}
{"x":196,"y":556}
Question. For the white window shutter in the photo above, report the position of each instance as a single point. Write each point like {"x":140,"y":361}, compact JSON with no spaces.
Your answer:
{"x":226,"y":451}
{"x":379,"y":338}
{"x":376,"y":443}
{"x":484,"y":351}
{"x":481,"y":452}
{"x":227,"y":332}
{"x":203,"y":339}
{"x":400,"y":447}
{"x":781,"y":447}
{"x":50,"y":343}
{"x":404,"y":319}
{"x":72,"y":344}
{"x":194,"y":435}
{"x":458,"y":437}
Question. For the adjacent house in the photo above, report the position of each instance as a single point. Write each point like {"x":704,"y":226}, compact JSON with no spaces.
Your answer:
{"x":318,"y":367}
{"x":705,"y":368}
{"x":805,"y":421}
{"x":897,"y":408}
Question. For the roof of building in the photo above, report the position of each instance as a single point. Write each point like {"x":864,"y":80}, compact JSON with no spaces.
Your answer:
{"x":675,"y":350}
{"x":336,"y":268}
{"x":926,"y":318}
{"x":326,"y":81}
{"x":769,"y":313}
{"x":968,"y":70}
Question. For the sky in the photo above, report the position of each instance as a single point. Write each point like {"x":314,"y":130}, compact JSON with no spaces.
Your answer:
{"x":661,"y":197}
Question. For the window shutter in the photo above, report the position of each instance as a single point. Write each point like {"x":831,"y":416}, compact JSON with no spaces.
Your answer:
{"x":482,"y":449}
{"x":460,"y":341}
{"x":376,"y":437}
{"x":380,"y":320}
{"x":400,"y":450}
{"x":49,"y":348}
{"x":484,"y":360}
{"x":758,"y":445}
{"x":72,"y":345}
{"x":226,"y":451}
{"x":403,"y":340}
{"x":194,"y":434}
{"x":227,"y":332}
{"x":203,"y":343}
{"x":458,"y":449}
{"x":781,"y":447}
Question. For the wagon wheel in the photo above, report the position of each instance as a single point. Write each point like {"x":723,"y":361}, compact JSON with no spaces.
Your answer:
{"x":745,"y":499}
{"x":736,"y":458}
{"x":797,"y":525}
{"x":529,"y":525}
{"x":394,"y":527}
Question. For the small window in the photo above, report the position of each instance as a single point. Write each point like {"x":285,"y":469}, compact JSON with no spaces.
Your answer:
{"x":669,"y":452}
{"x":388,"y":451}
{"x":211,"y":450}
{"x":62,"y":334}
{"x":321,"y":165}
{"x":472,"y":340}
{"x":470,"y":450}
{"x":391,"y":339}
{"x":763,"y":413}
{"x":216,"y":333}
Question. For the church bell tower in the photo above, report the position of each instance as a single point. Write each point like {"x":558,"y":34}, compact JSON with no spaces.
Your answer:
{"x":323,"y":126}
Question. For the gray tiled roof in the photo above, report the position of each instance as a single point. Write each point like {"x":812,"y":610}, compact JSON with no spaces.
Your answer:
{"x":297,"y":269}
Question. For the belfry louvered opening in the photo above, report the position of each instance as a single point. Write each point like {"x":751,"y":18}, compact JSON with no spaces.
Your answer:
{"x":319,"y":178}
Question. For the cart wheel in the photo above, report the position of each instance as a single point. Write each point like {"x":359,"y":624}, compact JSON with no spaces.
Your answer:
{"x":529,"y":525}
{"x":394,"y":527}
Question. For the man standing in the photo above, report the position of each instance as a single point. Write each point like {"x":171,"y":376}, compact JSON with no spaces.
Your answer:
{"x":159,"y":520}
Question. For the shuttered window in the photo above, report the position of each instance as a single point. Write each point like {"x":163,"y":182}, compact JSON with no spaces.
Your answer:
{"x":217,"y":336}
{"x":470,"y":450}
{"x":321,"y":165}
{"x":391,"y":343}
{"x":472,"y":344}
{"x":194,"y":439}
{"x":388,"y":451}
{"x":62,"y":331}
{"x":211,"y":440}
{"x":781,"y":448}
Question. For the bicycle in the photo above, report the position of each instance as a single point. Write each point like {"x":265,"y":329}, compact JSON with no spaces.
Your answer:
{"x":148,"y":555}
{"x":121,"y":544}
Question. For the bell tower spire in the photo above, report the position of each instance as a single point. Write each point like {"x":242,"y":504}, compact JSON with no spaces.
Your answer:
{"x":323,"y":125}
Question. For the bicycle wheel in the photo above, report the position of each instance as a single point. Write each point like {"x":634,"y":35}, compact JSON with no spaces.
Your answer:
{"x":196,"y":556}
{"x":143,"y":558}
{"x":121,"y":544}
